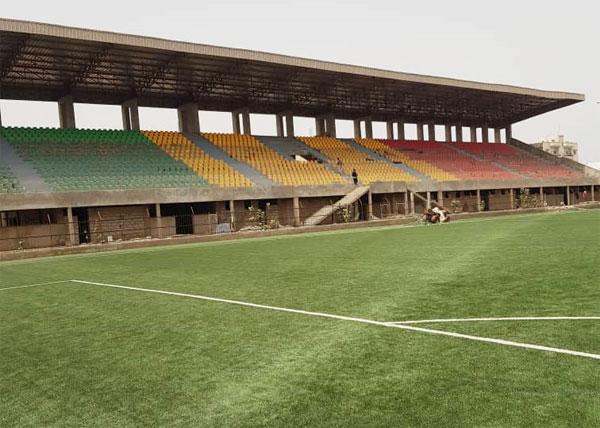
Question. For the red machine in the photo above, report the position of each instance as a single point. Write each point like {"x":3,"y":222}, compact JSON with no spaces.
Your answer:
{"x":436,"y":217}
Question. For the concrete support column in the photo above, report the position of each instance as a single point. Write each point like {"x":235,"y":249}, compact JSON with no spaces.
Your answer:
{"x":420,"y":132}
{"x":320,"y":126}
{"x":330,"y":128}
{"x":285,"y":124}
{"x":188,"y":118}
{"x":431,"y":131}
{"x":448,"y":129}
{"x":158,"y":220}
{"x":131,"y":115}
{"x":485,"y":134}
{"x":245,"y":121}
{"x":478,"y":200}
{"x":428,"y":200}
{"x":412,"y":203}
{"x":390,"y":130}
{"x":296,"y":206}
{"x":289,"y":124}
{"x":232,"y":214}
{"x":368,"y":127}
{"x":406,"y":202}
{"x":401,"y":132}
{"x":508,"y":131}
{"x":370,"y":204}
{"x":279,"y":124}
{"x":235,"y":123}
{"x":357,"y":131}
{"x":593,"y":195}
{"x":71,"y":225}
{"x":440,"y":197}
{"x":459,"y":133}
{"x":512,"y":199}
{"x":66,"y":112}
{"x":568,"y":195}
{"x":497,"y":135}
{"x":473,"y":132}
{"x":3,"y":220}
{"x":542,"y":198}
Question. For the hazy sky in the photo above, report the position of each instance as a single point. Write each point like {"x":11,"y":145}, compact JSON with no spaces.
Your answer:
{"x":548,"y":44}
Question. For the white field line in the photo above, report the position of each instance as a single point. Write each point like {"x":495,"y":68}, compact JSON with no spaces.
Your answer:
{"x":35,"y":285}
{"x":453,"y":320}
{"x":345,"y":318}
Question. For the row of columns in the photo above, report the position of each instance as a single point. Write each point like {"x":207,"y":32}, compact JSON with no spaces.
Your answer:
{"x":409,"y":203}
{"x":325,"y":124}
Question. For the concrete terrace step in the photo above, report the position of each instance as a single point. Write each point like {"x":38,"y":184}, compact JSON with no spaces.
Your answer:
{"x":242,"y":167}
{"x":377,"y":156}
{"x":327,"y":210}
{"x":477,"y":158}
{"x":24,"y":171}
{"x":288,"y":147}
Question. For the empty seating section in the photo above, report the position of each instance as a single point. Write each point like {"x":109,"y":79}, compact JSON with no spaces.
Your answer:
{"x":348,"y":158}
{"x":450,"y":160}
{"x":401,"y":157}
{"x":271,"y":164}
{"x":8,"y":181}
{"x":86,"y":159}
{"x":524,"y":163}
{"x":215,"y":171}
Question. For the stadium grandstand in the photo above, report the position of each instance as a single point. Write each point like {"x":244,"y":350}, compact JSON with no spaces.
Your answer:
{"x":70,"y":186}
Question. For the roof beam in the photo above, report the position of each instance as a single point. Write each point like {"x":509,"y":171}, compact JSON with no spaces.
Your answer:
{"x":7,"y":66}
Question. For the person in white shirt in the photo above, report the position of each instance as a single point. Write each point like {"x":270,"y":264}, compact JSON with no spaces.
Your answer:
{"x":440,"y":212}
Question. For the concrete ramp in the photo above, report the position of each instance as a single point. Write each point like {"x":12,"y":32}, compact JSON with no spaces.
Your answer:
{"x":328,"y":210}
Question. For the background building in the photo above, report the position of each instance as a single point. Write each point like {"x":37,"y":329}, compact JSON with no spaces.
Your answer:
{"x":557,"y":146}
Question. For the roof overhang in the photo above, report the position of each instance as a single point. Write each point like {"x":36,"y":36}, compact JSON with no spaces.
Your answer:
{"x":44,"y":62}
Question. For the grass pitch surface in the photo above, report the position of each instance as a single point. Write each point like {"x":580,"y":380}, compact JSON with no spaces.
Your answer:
{"x":85,"y":355}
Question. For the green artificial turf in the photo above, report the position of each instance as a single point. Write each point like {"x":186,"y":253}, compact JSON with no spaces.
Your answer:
{"x":76,"y":355}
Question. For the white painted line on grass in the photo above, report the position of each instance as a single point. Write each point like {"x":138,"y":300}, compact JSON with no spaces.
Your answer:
{"x":345,"y":318}
{"x":34,"y":285}
{"x":499,"y":341}
{"x":453,"y":320}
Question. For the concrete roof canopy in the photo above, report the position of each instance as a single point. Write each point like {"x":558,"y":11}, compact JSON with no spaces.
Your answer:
{"x":44,"y":62}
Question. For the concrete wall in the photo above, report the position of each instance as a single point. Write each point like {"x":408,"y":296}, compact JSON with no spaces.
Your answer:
{"x":497,"y":201}
{"x":125,"y":222}
{"x":26,"y":201}
{"x":40,"y":236}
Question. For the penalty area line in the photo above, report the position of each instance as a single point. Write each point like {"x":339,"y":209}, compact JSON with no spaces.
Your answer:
{"x":353,"y":319}
{"x":34,"y":285}
{"x":453,"y":320}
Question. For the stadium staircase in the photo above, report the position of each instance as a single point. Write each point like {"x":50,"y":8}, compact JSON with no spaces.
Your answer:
{"x":289,"y":147}
{"x":252,"y":174}
{"x":277,"y":168}
{"x":480,"y":159}
{"x":403,"y":167}
{"x":327,"y":210}
{"x":369,"y":170}
{"x":27,"y":177}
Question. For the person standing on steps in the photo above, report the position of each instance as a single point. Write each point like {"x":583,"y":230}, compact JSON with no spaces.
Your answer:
{"x":355,"y":176}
